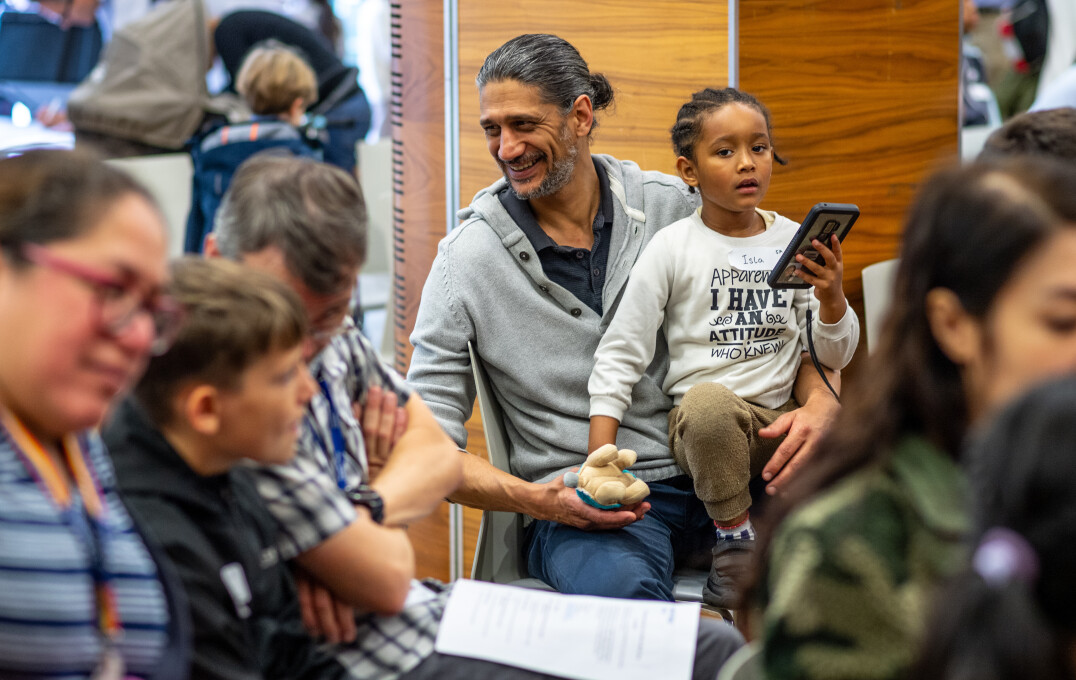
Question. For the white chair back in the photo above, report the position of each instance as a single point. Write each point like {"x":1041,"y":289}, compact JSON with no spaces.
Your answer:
{"x":168,"y":178}
{"x":877,"y":296}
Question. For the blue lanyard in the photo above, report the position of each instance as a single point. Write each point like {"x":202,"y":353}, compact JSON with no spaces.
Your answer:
{"x":339,"y":445}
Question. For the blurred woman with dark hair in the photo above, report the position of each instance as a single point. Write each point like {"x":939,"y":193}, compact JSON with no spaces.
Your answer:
{"x":984,"y":306}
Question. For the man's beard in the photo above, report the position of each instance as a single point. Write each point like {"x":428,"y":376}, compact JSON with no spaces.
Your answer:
{"x":558,"y":175}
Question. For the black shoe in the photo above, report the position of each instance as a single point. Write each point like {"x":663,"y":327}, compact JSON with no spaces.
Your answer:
{"x":728,"y":572}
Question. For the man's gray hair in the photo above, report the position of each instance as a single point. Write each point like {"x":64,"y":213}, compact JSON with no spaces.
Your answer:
{"x":550,"y":64}
{"x":313,"y":212}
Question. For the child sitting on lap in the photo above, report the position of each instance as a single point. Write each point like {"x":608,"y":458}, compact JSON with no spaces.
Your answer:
{"x":734,"y":342}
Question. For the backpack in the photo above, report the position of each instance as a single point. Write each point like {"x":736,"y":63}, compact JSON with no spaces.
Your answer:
{"x":218,"y":154}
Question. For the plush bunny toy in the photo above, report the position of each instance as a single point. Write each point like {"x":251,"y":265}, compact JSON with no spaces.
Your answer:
{"x":603,"y":481}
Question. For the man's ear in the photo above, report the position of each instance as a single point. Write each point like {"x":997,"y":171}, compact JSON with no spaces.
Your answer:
{"x":958,"y":333}
{"x":686,"y":169}
{"x":582,"y":114}
{"x":200,"y":407}
{"x":209,"y":247}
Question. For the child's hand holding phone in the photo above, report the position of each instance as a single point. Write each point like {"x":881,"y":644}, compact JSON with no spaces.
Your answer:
{"x":827,"y":278}
{"x":814,"y":258}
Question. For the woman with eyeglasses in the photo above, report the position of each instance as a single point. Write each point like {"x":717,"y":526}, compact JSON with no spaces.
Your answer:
{"x":82,"y":269}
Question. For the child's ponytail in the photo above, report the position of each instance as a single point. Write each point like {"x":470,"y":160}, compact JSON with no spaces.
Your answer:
{"x":987,"y":624}
{"x":1012,"y":613}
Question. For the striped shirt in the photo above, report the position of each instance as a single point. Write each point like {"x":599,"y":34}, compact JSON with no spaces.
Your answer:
{"x":48,"y":617}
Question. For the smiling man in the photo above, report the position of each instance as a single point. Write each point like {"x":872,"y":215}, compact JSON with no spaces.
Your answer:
{"x":532,"y":277}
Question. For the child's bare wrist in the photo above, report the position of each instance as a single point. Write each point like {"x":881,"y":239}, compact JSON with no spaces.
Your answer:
{"x":830,"y":312}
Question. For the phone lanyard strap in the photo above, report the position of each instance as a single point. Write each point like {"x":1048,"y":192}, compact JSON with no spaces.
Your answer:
{"x":336,"y":432}
{"x":90,"y":528}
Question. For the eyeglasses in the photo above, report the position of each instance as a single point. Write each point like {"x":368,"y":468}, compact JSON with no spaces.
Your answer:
{"x":119,"y":302}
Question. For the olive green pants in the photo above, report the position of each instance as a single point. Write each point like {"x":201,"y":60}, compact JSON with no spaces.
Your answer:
{"x":713,"y":435}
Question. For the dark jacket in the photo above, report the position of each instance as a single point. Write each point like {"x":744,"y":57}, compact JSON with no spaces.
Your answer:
{"x":218,"y":535}
{"x":217,"y":155}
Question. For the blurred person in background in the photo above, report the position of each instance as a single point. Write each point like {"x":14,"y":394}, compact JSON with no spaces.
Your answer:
{"x":880,"y":521}
{"x":1011,"y":614}
{"x":341,"y":110}
{"x":82,"y":268}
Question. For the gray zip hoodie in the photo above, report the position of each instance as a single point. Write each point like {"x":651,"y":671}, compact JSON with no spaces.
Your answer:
{"x":535,"y":339}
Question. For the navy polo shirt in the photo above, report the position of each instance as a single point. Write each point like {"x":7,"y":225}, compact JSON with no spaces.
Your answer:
{"x":580,"y":271}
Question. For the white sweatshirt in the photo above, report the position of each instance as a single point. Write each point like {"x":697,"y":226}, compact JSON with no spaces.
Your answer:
{"x":722,"y":320}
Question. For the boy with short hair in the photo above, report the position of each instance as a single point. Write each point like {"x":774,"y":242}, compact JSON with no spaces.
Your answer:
{"x":233,"y":387}
{"x":278,"y":86}
{"x":275,"y":81}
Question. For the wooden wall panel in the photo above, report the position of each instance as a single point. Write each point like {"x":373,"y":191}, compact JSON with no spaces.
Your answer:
{"x":864,"y":97}
{"x":418,"y":155}
{"x":418,"y":172}
{"x":642,"y":47}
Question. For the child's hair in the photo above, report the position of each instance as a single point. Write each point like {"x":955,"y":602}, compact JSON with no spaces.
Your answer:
{"x":969,"y":229}
{"x":273,"y":76}
{"x":233,"y":316}
{"x":685,"y":133}
{"x":1041,"y":133}
{"x":1012,"y":614}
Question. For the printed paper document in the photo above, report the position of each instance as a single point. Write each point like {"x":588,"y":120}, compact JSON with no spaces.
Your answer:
{"x":575,"y":636}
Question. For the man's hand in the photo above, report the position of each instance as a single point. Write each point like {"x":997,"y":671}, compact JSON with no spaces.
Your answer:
{"x":805,"y":428}
{"x":324,"y":615}
{"x":565,"y":506}
{"x":383,"y":422}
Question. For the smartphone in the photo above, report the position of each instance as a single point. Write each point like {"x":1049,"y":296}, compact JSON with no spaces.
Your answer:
{"x":823,"y":221}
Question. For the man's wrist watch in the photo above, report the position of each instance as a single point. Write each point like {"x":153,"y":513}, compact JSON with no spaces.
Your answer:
{"x":370,"y":499}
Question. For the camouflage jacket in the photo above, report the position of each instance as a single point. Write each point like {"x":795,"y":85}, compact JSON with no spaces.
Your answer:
{"x":847,"y":591}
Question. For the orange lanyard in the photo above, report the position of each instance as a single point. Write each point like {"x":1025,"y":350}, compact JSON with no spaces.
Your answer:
{"x":52,"y":482}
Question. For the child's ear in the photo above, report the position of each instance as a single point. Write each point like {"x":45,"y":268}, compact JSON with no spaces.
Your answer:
{"x":296,"y":110}
{"x":209,"y":246}
{"x":200,"y":407}
{"x":686,"y":169}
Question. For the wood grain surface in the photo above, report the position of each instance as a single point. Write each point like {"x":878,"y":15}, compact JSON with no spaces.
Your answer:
{"x":655,"y":54}
{"x":418,"y":176}
{"x":864,"y":99}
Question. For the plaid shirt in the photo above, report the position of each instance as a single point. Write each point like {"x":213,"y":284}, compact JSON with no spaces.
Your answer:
{"x":387,"y":647}
{"x":306,"y":498}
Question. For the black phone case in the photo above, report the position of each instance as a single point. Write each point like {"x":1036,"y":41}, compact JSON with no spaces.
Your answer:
{"x":818,"y":225}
